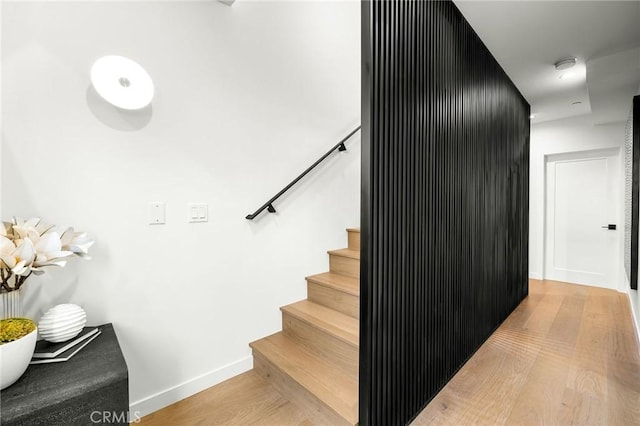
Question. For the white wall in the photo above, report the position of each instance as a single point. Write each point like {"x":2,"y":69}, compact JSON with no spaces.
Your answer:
{"x":246,"y":98}
{"x":1,"y":128}
{"x":561,"y":136}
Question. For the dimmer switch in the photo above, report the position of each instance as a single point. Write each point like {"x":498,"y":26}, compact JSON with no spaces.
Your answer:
{"x":198,"y":212}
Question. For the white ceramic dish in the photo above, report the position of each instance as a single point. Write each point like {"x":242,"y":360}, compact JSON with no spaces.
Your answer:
{"x":15,"y":357}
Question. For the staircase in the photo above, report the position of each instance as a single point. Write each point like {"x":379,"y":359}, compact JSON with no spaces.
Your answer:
{"x":313,"y":361}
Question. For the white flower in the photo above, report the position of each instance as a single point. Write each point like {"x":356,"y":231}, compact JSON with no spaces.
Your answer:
{"x":27,"y":228}
{"x":6,"y":247}
{"x":21,"y":258}
{"x":4,"y":226}
{"x":49,"y":251}
{"x":32,"y":228}
{"x":76,"y":242}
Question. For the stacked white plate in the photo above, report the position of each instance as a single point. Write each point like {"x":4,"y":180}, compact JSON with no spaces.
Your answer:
{"x":62,"y":322}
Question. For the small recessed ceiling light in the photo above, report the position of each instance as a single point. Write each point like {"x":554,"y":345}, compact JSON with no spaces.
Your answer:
{"x":564,"y":64}
{"x":532,"y":116}
{"x":567,"y":75}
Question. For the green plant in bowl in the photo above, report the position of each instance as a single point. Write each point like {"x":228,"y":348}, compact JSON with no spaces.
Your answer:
{"x":12,"y":329}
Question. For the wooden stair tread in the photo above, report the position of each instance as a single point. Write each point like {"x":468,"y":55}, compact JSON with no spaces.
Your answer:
{"x":335,"y":323}
{"x":337,"y":281}
{"x":335,"y":389}
{"x":346,"y":252}
{"x":246,"y":399}
{"x":353,"y":229}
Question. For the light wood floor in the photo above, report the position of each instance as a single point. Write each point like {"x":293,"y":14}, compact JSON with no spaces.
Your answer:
{"x":567,"y":355}
{"x":247,"y":399}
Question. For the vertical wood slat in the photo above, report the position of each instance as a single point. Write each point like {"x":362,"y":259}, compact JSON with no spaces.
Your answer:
{"x":444,"y":226}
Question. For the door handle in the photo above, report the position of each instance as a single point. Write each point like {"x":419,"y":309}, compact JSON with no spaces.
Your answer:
{"x":610,"y":227}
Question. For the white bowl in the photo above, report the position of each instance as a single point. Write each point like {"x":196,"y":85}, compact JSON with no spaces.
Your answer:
{"x":62,"y":322}
{"x":15,"y":357}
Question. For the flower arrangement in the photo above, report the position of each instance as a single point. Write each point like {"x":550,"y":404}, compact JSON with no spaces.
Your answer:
{"x":28,"y":246}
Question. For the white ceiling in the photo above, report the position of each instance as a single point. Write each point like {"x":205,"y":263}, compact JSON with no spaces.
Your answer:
{"x":528,"y":37}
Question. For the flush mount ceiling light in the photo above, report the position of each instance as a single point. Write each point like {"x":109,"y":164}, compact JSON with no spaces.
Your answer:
{"x":122,"y":82}
{"x":565,"y":64}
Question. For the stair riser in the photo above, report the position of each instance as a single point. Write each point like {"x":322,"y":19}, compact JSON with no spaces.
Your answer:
{"x":344,"y":265}
{"x":341,"y":354}
{"x":335,"y":299}
{"x":293,"y":391}
{"x":354,"y":240}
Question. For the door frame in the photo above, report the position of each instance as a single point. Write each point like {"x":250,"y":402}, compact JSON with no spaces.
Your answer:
{"x":619,"y":284}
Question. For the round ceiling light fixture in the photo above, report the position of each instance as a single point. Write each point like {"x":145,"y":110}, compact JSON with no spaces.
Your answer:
{"x":122,"y":82}
{"x":565,"y":64}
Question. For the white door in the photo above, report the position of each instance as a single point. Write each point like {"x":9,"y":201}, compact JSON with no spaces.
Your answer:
{"x":582,"y":200}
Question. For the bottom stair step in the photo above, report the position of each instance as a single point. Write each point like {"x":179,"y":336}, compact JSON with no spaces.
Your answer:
{"x":307,"y":380}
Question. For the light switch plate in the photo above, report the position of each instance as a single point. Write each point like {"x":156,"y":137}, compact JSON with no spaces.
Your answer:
{"x":198,"y":212}
{"x":157,"y":215}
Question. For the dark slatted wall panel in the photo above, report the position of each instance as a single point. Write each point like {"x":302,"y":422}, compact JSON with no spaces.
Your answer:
{"x":445,"y":183}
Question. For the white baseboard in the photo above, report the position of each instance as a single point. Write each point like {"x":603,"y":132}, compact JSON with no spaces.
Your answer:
{"x":535,"y":275}
{"x":176,"y":393}
{"x":634,"y":301}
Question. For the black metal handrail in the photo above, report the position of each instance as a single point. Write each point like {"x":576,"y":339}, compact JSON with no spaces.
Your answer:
{"x":269,"y":204}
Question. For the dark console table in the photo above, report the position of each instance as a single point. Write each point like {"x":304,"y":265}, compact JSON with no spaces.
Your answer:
{"x":90,"y":388}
